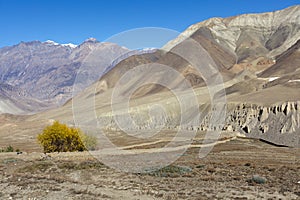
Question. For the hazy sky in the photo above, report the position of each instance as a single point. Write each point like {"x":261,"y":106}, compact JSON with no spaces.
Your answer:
{"x":74,"y":21}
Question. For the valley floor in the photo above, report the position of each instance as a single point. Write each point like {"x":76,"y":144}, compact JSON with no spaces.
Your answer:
{"x":226,"y":173}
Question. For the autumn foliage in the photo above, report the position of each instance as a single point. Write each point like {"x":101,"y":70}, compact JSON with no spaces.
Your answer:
{"x":60,"y":138}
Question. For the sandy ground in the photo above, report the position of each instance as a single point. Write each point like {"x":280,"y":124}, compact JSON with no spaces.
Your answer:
{"x":226,"y":173}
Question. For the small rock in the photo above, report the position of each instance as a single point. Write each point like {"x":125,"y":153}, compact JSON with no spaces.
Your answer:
{"x":258,"y":179}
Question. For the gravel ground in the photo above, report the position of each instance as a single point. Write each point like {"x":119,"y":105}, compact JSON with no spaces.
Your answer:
{"x":239,"y":169}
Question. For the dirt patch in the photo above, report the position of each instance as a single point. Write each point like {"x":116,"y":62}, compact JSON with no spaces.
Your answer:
{"x":225,"y":173}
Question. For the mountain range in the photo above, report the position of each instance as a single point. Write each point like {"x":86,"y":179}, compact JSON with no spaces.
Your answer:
{"x":257,"y":56}
{"x":40,"y":75}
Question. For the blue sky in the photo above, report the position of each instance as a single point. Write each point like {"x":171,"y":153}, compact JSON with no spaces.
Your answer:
{"x":74,"y":21}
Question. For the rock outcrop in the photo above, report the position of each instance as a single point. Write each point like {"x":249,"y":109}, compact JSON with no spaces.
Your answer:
{"x":281,"y":120}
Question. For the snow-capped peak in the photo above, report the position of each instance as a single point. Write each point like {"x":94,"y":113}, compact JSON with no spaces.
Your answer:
{"x":149,"y":49}
{"x":50,"y":42}
{"x":70,"y":45}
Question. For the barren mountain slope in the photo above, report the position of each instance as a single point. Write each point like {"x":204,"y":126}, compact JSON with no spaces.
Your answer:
{"x":46,"y":71}
{"x":248,"y":51}
{"x":255,"y":102}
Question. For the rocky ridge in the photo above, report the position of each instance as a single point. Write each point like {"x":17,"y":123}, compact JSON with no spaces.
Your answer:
{"x":45,"y":71}
{"x":278,"y":123}
{"x":277,"y":31}
{"x":258,"y":57}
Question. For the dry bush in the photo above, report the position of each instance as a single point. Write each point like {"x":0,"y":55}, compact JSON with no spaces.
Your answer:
{"x":60,"y":138}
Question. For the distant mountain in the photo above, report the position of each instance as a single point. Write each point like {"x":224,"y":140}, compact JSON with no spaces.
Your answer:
{"x":256,"y":54}
{"x":249,"y":41}
{"x":256,"y":45}
{"x":44,"y":72}
{"x":14,"y":100}
{"x":258,"y":58}
{"x":266,"y":45}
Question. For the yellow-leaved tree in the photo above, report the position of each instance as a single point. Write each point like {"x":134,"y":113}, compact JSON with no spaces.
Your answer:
{"x":60,"y":138}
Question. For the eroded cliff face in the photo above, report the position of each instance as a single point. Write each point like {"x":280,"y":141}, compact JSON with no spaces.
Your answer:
{"x":278,"y":118}
{"x":278,"y":123}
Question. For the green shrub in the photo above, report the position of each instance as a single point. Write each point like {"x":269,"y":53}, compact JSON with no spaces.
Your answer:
{"x":61,"y":138}
{"x":7,"y":149}
{"x":168,"y":171}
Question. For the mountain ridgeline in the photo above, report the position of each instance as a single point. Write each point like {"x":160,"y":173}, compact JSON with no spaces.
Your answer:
{"x":257,"y":56}
{"x":44,"y":72}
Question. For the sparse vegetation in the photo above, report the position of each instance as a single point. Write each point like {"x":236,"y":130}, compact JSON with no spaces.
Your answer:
{"x":89,"y":141}
{"x":8,"y":149}
{"x":60,"y":138}
{"x":169,"y":171}
{"x":257,"y":179}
